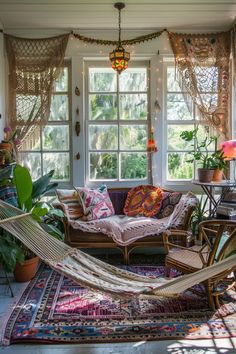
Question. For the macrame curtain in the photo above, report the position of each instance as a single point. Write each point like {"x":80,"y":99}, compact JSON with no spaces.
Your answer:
{"x":202,"y":61}
{"x":34,"y":64}
{"x":234,"y":47}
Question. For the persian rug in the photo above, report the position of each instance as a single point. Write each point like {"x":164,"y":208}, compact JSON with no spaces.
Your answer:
{"x":54,"y":309}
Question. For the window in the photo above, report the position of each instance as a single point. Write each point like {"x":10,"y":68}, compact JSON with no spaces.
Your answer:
{"x":180,"y":117}
{"x":117,"y":124}
{"x":51,"y":149}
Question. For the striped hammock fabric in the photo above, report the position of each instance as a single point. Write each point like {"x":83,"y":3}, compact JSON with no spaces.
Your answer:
{"x":93,"y":273}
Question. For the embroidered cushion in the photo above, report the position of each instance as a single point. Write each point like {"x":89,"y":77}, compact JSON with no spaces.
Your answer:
{"x":71,"y":206}
{"x":143,"y":200}
{"x":96,"y":203}
{"x":170,"y":199}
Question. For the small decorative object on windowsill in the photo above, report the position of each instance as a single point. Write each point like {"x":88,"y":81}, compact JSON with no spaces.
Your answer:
{"x":119,"y":57}
{"x":151,"y":144}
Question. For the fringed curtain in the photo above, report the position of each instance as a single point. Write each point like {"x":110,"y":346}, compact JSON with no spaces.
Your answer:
{"x":34,"y":65}
{"x":202,"y":61}
{"x":233,"y":32}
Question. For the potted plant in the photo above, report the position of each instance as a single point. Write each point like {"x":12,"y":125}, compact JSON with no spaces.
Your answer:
{"x":5,"y":157}
{"x":29,"y":194}
{"x":219,"y":164}
{"x":10,"y":139}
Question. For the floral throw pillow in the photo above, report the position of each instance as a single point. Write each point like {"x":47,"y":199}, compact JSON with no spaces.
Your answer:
{"x":144,"y":200}
{"x":170,"y":199}
{"x":70,"y":203}
{"x":96,"y":203}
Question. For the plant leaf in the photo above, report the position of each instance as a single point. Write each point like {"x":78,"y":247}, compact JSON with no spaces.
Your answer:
{"x":43,"y":185}
{"x":23,"y":183}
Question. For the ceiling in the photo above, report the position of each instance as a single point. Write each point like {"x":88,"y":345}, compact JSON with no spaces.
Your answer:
{"x":197,"y":15}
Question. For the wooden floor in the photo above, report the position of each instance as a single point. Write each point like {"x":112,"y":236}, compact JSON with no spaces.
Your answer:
{"x":221,"y":346}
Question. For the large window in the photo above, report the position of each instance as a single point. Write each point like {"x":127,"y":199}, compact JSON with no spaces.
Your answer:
{"x":51,"y":148}
{"x":180,"y":117}
{"x":117,"y":124}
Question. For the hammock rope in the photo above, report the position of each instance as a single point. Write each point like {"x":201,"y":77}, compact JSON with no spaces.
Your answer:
{"x":93,"y":273}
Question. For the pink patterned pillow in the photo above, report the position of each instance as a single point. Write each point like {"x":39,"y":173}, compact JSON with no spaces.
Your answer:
{"x":96,"y":203}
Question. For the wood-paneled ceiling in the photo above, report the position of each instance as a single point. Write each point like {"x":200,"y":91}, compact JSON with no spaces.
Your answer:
{"x":197,"y":15}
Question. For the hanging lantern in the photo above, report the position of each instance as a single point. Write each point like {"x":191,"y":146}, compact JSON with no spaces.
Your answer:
{"x":119,"y":57}
{"x":151,"y":144}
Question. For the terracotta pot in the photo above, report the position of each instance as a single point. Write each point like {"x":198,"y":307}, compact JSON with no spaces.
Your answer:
{"x":205,"y":175}
{"x":6,"y":146}
{"x":217,"y":175}
{"x":26,"y":271}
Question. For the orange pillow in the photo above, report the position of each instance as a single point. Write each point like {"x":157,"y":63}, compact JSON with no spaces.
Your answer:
{"x":143,"y":200}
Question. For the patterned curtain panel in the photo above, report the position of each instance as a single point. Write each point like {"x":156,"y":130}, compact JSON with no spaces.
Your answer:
{"x":34,"y":64}
{"x":202,"y":61}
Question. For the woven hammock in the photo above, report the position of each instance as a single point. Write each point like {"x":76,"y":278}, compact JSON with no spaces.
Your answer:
{"x":91,"y":272}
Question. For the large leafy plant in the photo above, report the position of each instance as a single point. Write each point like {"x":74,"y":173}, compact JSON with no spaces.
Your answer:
{"x":201,"y":150}
{"x":29,"y":198}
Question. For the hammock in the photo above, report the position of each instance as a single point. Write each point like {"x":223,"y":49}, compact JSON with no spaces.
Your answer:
{"x":91,"y":272}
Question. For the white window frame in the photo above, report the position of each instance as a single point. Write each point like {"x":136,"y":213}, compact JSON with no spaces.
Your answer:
{"x":124,"y":182}
{"x":184,"y":184}
{"x":41,"y":151}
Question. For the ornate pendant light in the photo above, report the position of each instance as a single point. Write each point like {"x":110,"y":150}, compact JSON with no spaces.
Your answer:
{"x":119,"y":57}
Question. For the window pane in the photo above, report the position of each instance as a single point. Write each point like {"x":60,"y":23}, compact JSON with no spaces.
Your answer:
{"x":207,"y":78}
{"x":60,"y":163}
{"x":33,"y":162}
{"x":56,"y":137}
{"x":177,"y":108}
{"x":61,"y":84}
{"x":133,"y":106}
{"x":178,"y":168}
{"x":59,"y":108}
{"x":26,"y":106}
{"x":133,"y":165}
{"x":102,"y":107}
{"x":174,"y":141}
{"x":34,"y":142}
{"x":133,"y":137}
{"x":102,"y":166}
{"x":102,"y":79}
{"x":133,"y":79}
{"x":204,"y":132}
{"x":172,"y":83}
{"x":103,"y":137}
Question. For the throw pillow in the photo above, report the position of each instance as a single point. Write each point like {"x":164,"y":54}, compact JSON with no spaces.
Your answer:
{"x":70,"y":203}
{"x":96,"y":203}
{"x":170,"y":199}
{"x":144,"y":200}
{"x":8,"y":194}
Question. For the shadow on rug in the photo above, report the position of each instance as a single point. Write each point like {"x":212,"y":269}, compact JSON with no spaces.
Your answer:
{"x":54,"y":309}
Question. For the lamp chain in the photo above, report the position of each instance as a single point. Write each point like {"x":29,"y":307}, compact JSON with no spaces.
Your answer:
{"x":119,"y":28}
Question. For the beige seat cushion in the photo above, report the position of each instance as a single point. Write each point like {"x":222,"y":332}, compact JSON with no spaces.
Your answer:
{"x":186,"y":258}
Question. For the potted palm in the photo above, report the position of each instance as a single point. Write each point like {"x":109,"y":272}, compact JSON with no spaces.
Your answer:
{"x":29,"y":194}
{"x":201,"y":153}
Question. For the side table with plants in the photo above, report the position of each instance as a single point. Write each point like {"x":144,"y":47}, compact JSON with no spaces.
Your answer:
{"x":207,"y":160}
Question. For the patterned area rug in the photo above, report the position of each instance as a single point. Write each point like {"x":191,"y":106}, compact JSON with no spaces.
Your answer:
{"x":54,"y":309}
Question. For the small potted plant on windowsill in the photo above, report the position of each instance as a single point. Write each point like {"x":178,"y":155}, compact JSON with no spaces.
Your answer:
{"x":205,"y":159}
{"x":10,"y":139}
